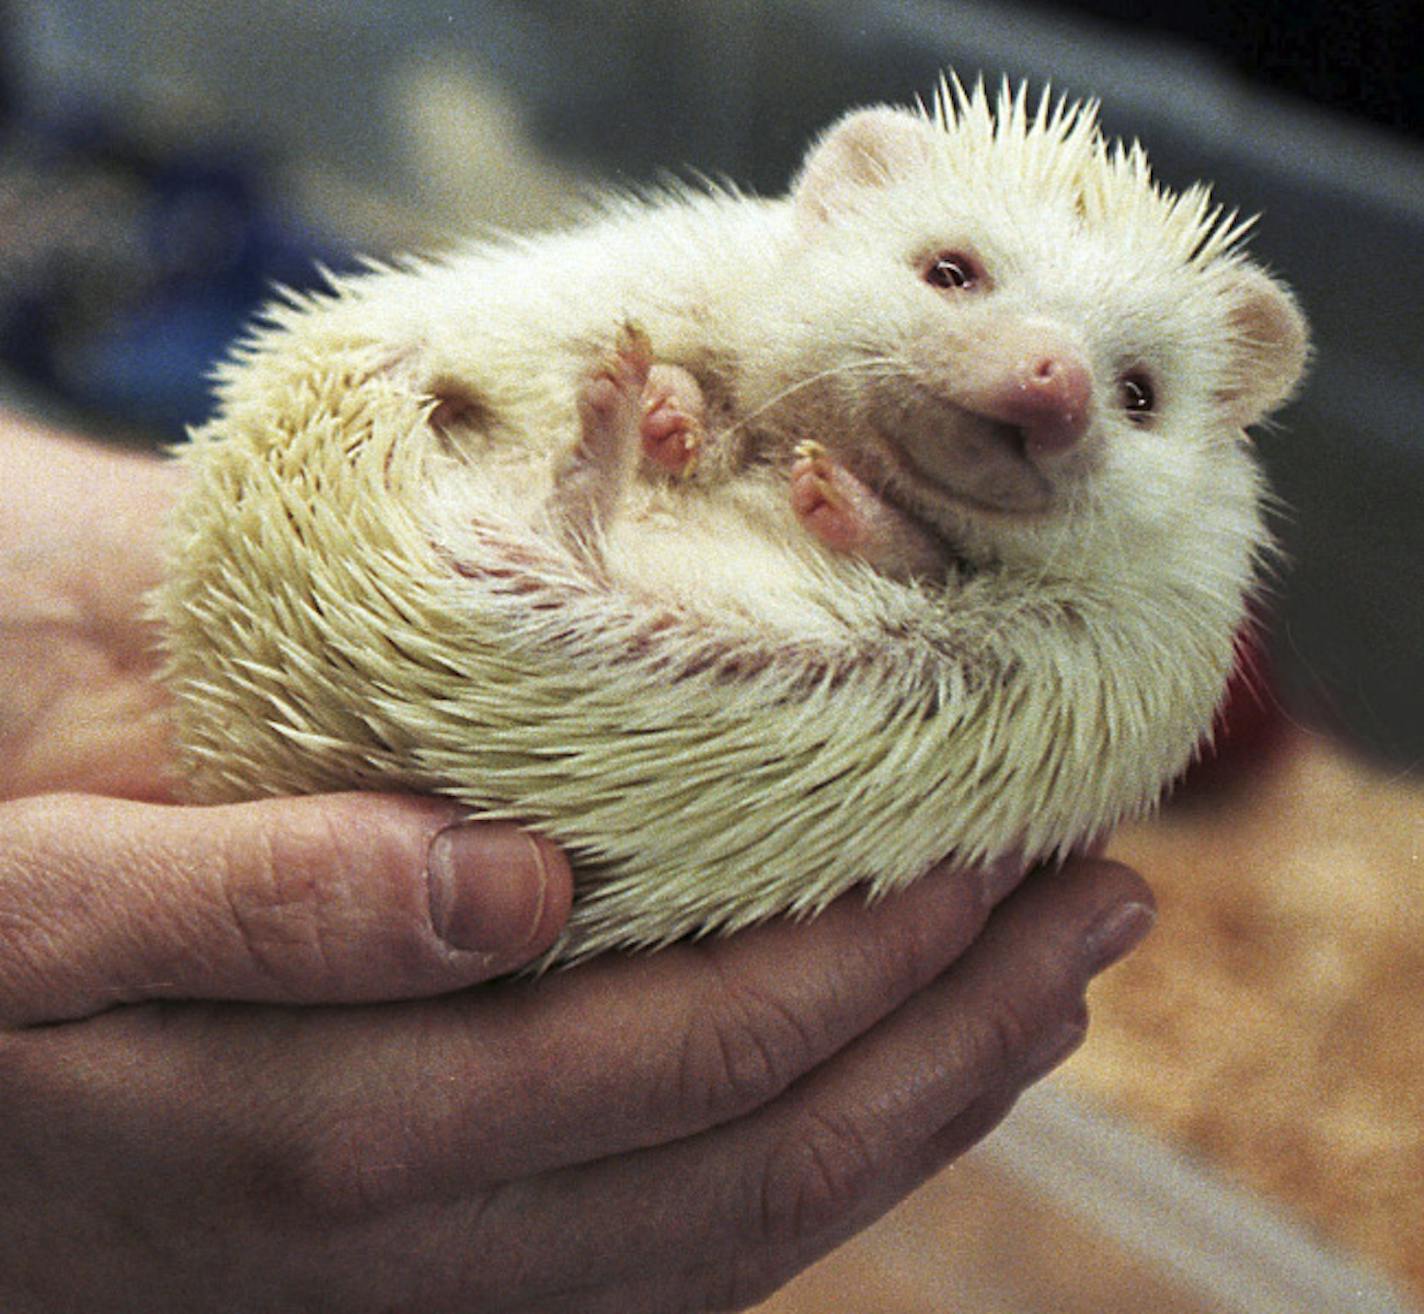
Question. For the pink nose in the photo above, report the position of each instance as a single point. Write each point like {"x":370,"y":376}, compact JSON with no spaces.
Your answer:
{"x":1049,"y":396}
{"x":1025,"y":374}
{"x":1049,"y":399}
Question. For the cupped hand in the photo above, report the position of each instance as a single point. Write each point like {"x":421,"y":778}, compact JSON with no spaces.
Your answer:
{"x":212,"y":1103}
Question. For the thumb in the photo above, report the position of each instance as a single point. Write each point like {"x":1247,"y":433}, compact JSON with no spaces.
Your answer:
{"x":340,"y":898}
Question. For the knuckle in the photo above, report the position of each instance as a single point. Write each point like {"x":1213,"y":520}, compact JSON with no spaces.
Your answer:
{"x":814,"y":1179}
{"x":263,"y":909}
{"x":738,"y":1055}
{"x":277,"y":898}
{"x":998,"y":1037}
{"x":920,"y":948}
{"x":910,"y":946}
{"x":347,"y":1172}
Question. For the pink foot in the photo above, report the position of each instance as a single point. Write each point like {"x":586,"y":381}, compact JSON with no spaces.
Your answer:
{"x":823,"y":496}
{"x":674,"y":414}
{"x":608,"y":402}
{"x":846,"y":516}
{"x":593,"y":474}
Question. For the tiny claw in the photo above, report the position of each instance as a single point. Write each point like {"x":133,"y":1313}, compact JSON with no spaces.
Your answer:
{"x":812,"y":490}
{"x":692,"y":445}
{"x":634,"y":344}
{"x":811,"y":479}
{"x":828,"y":493}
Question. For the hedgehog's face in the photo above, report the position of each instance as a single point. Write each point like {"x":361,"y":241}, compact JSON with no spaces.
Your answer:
{"x":1028,"y":382}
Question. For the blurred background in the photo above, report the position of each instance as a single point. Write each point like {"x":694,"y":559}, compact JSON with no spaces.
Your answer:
{"x":164,"y":162}
{"x":161,"y":164}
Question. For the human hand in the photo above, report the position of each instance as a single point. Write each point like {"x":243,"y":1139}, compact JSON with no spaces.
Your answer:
{"x":80,"y":529}
{"x":103,"y":903}
{"x":678,"y":1132}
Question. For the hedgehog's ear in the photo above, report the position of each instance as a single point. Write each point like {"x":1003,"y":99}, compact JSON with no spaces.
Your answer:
{"x":865,"y":149}
{"x":1269,"y":346}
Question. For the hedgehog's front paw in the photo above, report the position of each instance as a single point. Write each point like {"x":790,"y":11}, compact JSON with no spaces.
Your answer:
{"x":609,"y":402}
{"x":674,"y":420}
{"x":846,"y":516}
{"x":593,"y":473}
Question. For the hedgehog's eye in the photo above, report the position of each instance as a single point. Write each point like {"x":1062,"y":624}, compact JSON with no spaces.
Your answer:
{"x":1136,"y":396}
{"x":954,"y":271}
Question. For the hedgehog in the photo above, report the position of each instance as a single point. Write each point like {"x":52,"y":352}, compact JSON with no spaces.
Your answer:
{"x":751,"y":549}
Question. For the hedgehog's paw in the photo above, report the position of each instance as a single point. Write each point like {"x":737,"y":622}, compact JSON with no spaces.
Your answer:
{"x":674,"y":420}
{"x":592,"y":475}
{"x":846,"y":516}
{"x":821,"y":493}
{"x":609,"y":403}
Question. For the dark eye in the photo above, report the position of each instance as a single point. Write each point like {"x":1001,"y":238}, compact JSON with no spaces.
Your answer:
{"x":953,"y":271}
{"x":1136,"y":396}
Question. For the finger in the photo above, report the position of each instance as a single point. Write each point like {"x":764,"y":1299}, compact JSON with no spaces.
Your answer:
{"x":742,"y":1280}
{"x":629,"y":1052}
{"x":334,"y":899}
{"x":859,"y":1132}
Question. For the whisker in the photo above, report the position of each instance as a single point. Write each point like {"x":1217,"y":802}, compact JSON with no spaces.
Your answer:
{"x":885,"y":365}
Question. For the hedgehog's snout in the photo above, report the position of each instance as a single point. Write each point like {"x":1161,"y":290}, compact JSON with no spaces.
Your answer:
{"x":1032,"y":378}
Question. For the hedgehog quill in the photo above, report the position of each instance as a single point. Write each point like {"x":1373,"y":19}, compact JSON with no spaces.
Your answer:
{"x":752,"y":549}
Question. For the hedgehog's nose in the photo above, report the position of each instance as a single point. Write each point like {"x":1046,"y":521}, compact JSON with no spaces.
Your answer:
{"x":1025,"y":373}
{"x":1049,"y":398}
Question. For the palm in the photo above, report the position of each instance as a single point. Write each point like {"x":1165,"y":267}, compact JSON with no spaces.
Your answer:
{"x":79,"y":547}
{"x":90,"y":719}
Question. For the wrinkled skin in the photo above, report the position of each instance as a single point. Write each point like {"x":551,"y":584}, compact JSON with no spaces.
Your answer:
{"x":242,"y":1069}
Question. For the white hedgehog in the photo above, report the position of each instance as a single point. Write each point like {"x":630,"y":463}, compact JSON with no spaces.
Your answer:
{"x":915,"y":518}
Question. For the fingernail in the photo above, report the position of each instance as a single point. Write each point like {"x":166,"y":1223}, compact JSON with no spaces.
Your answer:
{"x":487,"y":886}
{"x":1116,"y":932}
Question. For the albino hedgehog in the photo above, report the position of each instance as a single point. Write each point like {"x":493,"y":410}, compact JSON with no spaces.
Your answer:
{"x":752,"y":549}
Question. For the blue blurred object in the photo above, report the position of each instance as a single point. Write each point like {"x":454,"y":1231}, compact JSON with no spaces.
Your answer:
{"x":126,"y":273}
